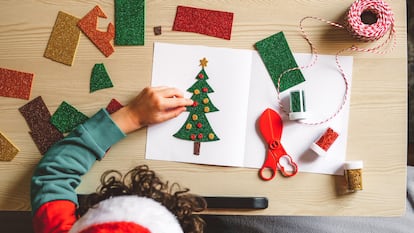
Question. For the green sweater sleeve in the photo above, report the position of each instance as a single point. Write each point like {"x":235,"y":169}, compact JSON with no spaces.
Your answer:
{"x":59,"y":172}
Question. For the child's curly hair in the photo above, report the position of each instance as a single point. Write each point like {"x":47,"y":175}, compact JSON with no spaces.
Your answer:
{"x":143,"y":182}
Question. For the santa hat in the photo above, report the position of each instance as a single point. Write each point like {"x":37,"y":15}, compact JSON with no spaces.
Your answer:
{"x":127,"y":214}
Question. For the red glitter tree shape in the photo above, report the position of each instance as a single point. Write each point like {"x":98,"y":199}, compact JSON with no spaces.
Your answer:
{"x":197,"y":128}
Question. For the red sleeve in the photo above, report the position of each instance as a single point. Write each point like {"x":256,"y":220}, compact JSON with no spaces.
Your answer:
{"x":54,"y":217}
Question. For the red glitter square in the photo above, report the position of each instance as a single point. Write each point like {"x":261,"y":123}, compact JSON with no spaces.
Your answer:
{"x":113,"y":106}
{"x":203,"y":21}
{"x":15,"y":84}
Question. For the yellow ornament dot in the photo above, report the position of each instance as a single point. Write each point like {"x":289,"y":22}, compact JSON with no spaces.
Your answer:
{"x":211,"y":136}
{"x":206,"y":109}
{"x":195,"y":117}
{"x":189,"y":126}
{"x":205,"y":101}
{"x":196,"y":91}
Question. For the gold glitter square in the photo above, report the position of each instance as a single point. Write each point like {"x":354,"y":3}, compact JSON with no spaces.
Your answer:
{"x":64,"y":39}
{"x":7,"y":150}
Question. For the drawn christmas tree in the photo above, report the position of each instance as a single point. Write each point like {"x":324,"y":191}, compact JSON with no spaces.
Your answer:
{"x":197,"y":128}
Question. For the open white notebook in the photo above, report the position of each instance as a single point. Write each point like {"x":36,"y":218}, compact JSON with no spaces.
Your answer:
{"x":242,"y":91}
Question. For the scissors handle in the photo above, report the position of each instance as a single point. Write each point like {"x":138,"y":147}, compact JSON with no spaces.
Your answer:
{"x":290,"y":163}
{"x":269,"y":166}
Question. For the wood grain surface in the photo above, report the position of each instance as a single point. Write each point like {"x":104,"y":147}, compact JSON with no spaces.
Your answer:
{"x":378,"y":115}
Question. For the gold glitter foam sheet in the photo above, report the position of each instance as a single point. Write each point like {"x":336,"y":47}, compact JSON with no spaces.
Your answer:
{"x":64,"y":39}
{"x":7,"y":150}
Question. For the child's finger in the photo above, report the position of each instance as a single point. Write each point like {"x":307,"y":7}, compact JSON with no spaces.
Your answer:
{"x":172,"y":113}
{"x":177,"y":102}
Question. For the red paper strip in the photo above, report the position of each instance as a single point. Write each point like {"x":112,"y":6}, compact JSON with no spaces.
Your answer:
{"x":88,"y":24}
{"x":113,"y":106}
{"x":207,"y":22}
{"x":15,"y":84}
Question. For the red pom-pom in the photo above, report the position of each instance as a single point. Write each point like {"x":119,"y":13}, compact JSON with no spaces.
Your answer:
{"x":199,"y":125}
{"x":200,"y":136}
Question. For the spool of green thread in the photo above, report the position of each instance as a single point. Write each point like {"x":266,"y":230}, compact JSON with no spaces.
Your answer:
{"x":297,"y":105}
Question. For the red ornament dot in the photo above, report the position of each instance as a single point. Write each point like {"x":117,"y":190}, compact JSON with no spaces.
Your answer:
{"x":199,"y":125}
{"x":195,"y":103}
{"x":200,"y":136}
{"x":201,"y":76}
{"x":193,"y":137}
{"x":205,"y":89}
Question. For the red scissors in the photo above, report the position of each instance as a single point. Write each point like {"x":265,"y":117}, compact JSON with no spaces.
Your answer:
{"x":271,"y":127}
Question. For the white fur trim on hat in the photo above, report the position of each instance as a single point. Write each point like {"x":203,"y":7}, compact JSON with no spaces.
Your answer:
{"x":140,"y":210}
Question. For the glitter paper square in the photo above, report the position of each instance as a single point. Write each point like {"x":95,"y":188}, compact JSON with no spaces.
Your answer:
{"x":129,"y":22}
{"x":67,"y":117}
{"x":7,"y":149}
{"x":113,"y":106}
{"x":208,"y":22}
{"x":88,"y":24}
{"x":157,"y":30}
{"x":64,"y":39}
{"x":99,"y":78}
{"x":46,"y":136}
{"x":35,"y":112}
{"x":278,"y":57}
{"x":15,"y":84}
{"x":37,"y":116}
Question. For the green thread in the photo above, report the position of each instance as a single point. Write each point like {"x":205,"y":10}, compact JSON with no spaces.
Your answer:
{"x":295,"y":101}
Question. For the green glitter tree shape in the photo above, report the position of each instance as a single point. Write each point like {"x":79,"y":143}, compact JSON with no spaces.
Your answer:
{"x":197,"y":128}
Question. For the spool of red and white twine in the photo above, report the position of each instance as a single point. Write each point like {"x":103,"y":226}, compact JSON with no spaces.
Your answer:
{"x":355,"y":25}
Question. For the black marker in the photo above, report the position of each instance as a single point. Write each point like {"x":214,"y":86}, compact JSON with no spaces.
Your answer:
{"x":236,"y":202}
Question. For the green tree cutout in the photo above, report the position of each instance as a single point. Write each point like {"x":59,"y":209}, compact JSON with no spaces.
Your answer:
{"x":197,"y":128}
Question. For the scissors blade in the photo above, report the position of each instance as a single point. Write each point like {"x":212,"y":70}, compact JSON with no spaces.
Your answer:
{"x":270,"y":125}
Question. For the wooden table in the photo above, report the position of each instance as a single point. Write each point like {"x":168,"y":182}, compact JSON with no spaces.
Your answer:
{"x":377,"y":128}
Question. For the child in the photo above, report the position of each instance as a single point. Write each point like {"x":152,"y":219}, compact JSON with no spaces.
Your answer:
{"x":139,"y":202}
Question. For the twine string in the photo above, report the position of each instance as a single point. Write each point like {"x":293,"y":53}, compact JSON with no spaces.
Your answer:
{"x":359,"y":30}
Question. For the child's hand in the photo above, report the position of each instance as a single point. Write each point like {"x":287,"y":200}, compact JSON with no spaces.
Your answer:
{"x":152,"y":105}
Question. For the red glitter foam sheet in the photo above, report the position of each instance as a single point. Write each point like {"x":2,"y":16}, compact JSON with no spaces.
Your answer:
{"x":15,"y":84}
{"x":208,"y":22}
{"x":113,"y":106}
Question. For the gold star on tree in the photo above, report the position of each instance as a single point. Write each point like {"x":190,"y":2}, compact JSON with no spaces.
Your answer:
{"x":203,"y":62}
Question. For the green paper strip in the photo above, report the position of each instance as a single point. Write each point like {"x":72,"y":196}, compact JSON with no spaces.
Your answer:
{"x":100,"y":78}
{"x":129,"y":22}
{"x":66,"y":118}
{"x":278,"y":57}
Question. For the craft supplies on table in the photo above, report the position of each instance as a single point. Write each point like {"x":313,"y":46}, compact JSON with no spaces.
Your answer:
{"x":131,"y":68}
{"x":236,"y":122}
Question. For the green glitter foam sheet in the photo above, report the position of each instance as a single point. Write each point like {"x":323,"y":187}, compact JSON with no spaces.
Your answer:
{"x":277,"y":57}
